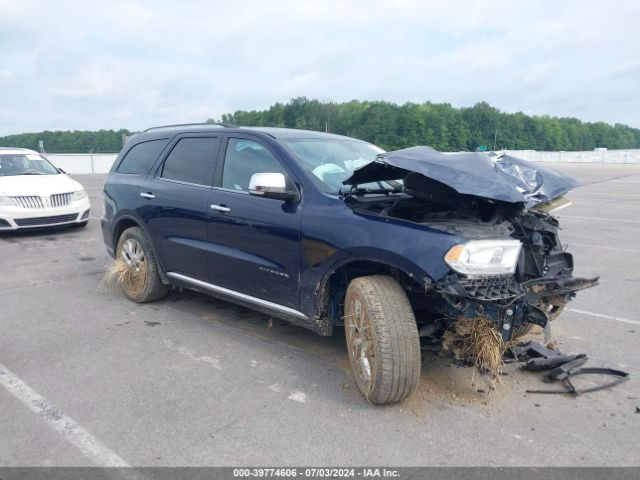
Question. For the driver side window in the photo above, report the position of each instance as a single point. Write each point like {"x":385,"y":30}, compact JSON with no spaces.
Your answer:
{"x":244,"y":158}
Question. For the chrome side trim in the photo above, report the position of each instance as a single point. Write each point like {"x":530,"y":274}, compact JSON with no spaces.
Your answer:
{"x":220,"y":208}
{"x":238,"y":295}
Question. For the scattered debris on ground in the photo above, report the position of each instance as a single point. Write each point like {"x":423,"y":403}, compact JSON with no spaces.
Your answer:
{"x":476,"y":341}
{"x":563,"y":368}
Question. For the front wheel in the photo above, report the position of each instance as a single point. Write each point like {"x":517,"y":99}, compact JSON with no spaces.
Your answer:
{"x":382,"y":339}
{"x":139,"y":277}
{"x":553,"y":306}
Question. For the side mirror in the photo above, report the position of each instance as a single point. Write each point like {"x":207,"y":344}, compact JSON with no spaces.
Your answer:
{"x":271,"y":185}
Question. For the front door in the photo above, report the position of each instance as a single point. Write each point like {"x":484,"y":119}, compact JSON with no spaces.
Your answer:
{"x":255,"y":241}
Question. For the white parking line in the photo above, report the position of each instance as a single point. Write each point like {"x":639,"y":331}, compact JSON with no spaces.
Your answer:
{"x":617,"y":249}
{"x":298,"y":396}
{"x":608,"y":194}
{"x":67,"y":427}
{"x":608,"y":317}
{"x":190,"y":353}
{"x":596,"y":219}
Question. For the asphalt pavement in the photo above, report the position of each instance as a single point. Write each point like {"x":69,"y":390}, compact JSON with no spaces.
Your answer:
{"x":90,"y":378}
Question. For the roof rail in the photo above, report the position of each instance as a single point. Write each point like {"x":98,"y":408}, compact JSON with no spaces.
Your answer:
{"x":218,"y":124}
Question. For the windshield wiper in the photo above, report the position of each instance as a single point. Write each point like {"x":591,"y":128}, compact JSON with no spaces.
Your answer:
{"x":364,"y":191}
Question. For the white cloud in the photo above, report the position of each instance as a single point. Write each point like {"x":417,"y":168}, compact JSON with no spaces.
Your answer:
{"x":133,"y":64}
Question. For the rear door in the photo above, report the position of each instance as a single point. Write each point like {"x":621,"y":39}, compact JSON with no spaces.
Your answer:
{"x":175,"y":204}
{"x":128,"y":178}
{"x":255,"y":241}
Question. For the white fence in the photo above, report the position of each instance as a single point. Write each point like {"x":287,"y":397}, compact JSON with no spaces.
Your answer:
{"x":79,"y":163}
{"x":593,"y":156}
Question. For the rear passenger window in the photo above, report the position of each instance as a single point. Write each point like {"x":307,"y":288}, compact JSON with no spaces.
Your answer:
{"x":192,"y":160}
{"x":141,"y":157}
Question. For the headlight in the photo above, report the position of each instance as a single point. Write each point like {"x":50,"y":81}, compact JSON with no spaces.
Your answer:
{"x":79,"y":195}
{"x":484,"y":257}
{"x":6,"y":202}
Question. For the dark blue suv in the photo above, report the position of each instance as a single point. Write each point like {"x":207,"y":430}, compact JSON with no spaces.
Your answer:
{"x":324,"y":230}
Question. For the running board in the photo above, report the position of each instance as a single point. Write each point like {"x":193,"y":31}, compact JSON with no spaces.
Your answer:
{"x":242,"y":297}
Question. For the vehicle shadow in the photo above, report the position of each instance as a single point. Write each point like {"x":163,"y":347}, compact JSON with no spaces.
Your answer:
{"x":258,"y":324}
{"x":12,"y":236}
{"x":443,"y":382}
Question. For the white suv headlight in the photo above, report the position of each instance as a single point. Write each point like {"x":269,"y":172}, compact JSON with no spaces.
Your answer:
{"x":484,"y":257}
{"x":79,"y":195}
{"x":6,"y":202}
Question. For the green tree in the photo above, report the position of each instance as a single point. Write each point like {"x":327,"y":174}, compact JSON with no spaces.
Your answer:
{"x":389,"y":125}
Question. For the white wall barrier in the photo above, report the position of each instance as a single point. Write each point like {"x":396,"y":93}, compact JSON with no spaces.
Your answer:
{"x":79,"y":163}
{"x":592,"y":156}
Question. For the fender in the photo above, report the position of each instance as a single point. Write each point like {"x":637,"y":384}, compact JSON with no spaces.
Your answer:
{"x":131,"y":216}
{"x":315,"y":287}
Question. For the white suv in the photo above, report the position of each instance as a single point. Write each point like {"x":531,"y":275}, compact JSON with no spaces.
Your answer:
{"x":35,"y":194}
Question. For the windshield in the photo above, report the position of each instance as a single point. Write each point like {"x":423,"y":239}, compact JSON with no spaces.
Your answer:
{"x":25,"y":164}
{"x":332,"y":161}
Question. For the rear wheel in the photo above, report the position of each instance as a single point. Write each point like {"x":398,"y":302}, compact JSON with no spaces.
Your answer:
{"x":382,"y":339}
{"x":140,"y":278}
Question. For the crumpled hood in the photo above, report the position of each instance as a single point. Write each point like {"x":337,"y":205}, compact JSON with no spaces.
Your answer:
{"x":496,"y":177}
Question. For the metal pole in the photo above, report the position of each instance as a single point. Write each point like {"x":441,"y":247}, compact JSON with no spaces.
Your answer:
{"x":92,"y":166}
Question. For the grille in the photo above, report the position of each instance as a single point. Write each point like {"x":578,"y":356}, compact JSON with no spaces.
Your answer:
{"x":54,"y":201}
{"x":29,"y":202}
{"x":530,"y":267}
{"x":60,"y":199}
{"x":32,"y":222}
{"x":491,"y":288}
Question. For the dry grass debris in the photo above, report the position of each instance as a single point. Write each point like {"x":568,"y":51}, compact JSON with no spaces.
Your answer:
{"x":123,"y":275}
{"x":475,"y":339}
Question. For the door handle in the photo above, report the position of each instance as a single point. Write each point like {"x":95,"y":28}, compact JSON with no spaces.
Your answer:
{"x":147,"y":195}
{"x":220,"y":208}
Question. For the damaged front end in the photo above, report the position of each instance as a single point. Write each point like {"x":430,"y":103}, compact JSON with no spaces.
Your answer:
{"x":537,"y":291}
{"x":510,"y":266}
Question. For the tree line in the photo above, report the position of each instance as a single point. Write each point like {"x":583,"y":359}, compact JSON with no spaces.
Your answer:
{"x":445,"y":128}
{"x":389,"y":125}
{"x":68,"y":141}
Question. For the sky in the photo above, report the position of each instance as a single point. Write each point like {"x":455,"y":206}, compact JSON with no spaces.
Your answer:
{"x":88,"y":65}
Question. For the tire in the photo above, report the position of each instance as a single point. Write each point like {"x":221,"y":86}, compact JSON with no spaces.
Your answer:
{"x":554,"y":306}
{"x":143,"y":283}
{"x":522,"y":331}
{"x":377,"y":310}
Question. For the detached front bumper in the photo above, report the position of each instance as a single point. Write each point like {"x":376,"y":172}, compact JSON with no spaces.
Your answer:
{"x":18,"y":218}
{"x":506,"y":302}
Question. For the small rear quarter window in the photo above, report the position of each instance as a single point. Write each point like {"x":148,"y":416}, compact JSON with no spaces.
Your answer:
{"x":141,"y":157}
